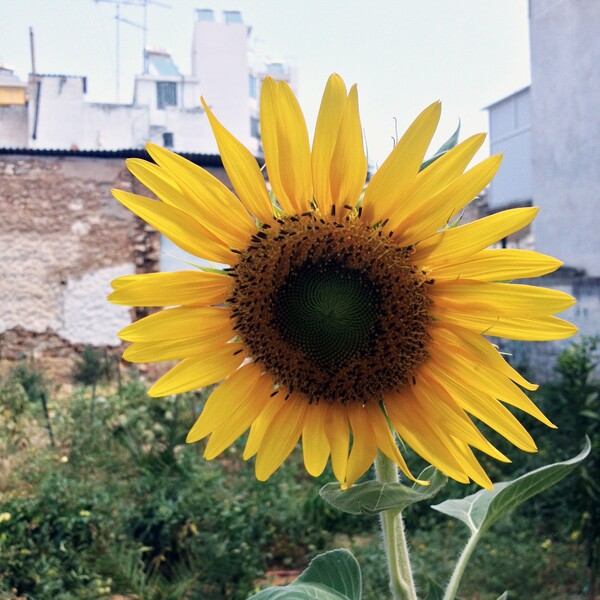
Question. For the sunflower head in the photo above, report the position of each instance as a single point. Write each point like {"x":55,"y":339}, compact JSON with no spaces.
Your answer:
{"x":345,"y":315}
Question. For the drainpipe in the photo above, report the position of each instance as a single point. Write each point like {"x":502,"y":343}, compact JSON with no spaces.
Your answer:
{"x":38,"y":85}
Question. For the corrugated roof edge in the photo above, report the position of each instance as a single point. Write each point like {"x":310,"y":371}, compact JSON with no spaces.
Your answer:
{"x":203,"y":160}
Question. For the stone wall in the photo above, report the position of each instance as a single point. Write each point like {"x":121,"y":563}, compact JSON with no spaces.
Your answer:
{"x":63,"y":238}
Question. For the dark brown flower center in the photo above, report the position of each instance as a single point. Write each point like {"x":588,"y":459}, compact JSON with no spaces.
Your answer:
{"x":331,"y":310}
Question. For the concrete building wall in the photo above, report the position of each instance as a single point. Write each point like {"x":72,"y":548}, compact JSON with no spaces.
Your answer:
{"x":565,"y":93}
{"x":14,"y":128}
{"x":220,"y":63}
{"x":510,"y":134}
{"x":56,"y":111}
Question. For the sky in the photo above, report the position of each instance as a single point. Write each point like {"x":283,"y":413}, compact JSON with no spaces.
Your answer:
{"x":403,"y":54}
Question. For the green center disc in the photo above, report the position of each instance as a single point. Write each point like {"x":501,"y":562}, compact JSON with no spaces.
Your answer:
{"x":327,"y":311}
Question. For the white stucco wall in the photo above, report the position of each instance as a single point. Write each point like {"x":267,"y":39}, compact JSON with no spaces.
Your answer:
{"x":220,"y":63}
{"x":510,"y":135}
{"x":86,"y":315}
{"x":565,"y":88}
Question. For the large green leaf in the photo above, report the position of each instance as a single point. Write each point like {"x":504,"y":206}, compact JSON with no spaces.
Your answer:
{"x":447,"y":145}
{"x":334,"y":575}
{"x":372,"y":497}
{"x":482,"y":509}
{"x":297,"y":592}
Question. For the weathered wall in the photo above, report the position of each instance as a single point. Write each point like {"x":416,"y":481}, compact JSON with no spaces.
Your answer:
{"x":63,"y":238}
{"x":565,"y":54}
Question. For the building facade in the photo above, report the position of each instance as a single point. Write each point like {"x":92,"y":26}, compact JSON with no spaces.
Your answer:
{"x":51,"y":111}
{"x":548,"y":133}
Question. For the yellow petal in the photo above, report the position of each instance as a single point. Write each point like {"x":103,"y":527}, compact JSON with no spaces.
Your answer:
{"x":385,"y":439}
{"x":242,"y":170}
{"x":215,"y":205}
{"x":364,"y":444}
{"x":338,"y":434}
{"x":538,"y":329}
{"x":194,"y":373}
{"x":315,"y":446}
{"x":399,"y":171}
{"x":349,"y":163}
{"x":440,"y":406}
{"x":281,"y":437}
{"x":436,"y":211}
{"x":470,"y":464}
{"x":437,"y":176}
{"x":172,"y":289}
{"x":499,"y":265}
{"x":142,"y":352}
{"x":473,"y":297}
{"x":262,"y":423}
{"x":326,"y":133}
{"x":478,"y":348}
{"x":286,"y":147}
{"x":159,"y":183}
{"x":452,"y":245}
{"x":484,"y":380}
{"x":239,"y":420}
{"x":180,"y":228}
{"x":225,"y":400}
{"x":178,"y":323}
{"x":485,"y":408}
{"x":412,"y":426}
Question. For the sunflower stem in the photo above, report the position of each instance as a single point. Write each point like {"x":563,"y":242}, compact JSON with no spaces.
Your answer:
{"x":402,"y":584}
{"x":461,"y":564}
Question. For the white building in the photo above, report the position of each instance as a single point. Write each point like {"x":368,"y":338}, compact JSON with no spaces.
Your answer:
{"x":549,"y":134}
{"x":51,"y":112}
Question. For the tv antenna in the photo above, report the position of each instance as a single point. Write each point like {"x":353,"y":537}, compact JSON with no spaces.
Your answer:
{"x":144,"y":27}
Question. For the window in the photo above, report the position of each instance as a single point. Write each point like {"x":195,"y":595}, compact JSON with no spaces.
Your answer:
{"x":252,"y":85}
{"x":255,"y":128}
{"x":205,"y":14}
{"x":166,"y":94}
{"x":168,"y":139}
{"x":232,"y":16}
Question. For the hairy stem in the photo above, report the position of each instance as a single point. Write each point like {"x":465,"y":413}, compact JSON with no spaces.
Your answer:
{"x":459,"y":569}
{"x":402,"y":584}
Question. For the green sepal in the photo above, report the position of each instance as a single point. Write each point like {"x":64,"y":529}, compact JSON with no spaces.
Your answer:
{"x":447,"y":145}
{"x":372,"y":497}
{"x":334,"y":575}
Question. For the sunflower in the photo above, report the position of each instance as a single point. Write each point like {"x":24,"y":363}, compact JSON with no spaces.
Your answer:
{"x":347,"y":316}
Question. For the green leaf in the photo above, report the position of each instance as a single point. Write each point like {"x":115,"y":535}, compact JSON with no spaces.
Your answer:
{"x":334,"y":575}
{"x":447,"y":145}
{"x":504,"y":596}
{"x":482,"y":509}
{"x":434,"y":590}
{"x":372,"y":497}
{"x":297,"y":592}
{"x":336,"y":569}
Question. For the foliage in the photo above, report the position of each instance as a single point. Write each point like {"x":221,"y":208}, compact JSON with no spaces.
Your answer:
{"x":92,"y":367}
{"x":32,"y":379}
{"x":123,"y":506}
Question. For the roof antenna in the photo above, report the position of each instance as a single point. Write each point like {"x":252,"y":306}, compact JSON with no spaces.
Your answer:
{"x":118,"y":20}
